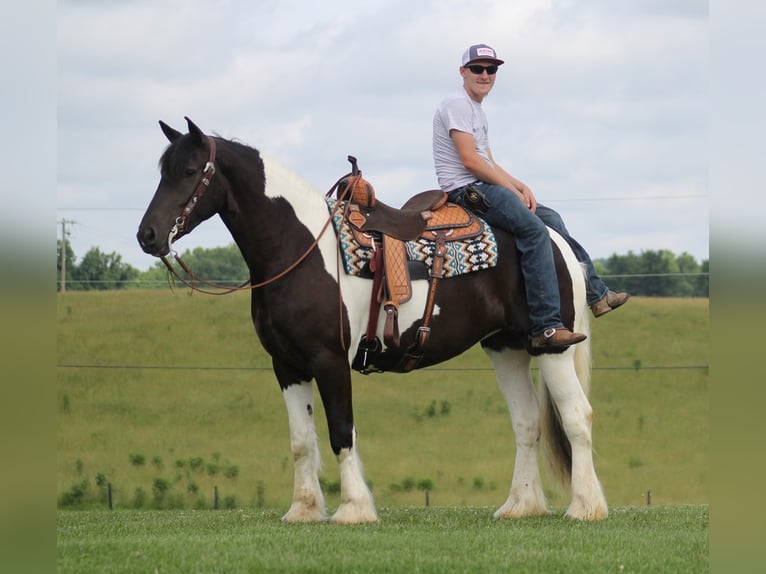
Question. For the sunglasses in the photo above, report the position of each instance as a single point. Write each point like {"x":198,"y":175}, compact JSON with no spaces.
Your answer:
{"x":478,"y":70}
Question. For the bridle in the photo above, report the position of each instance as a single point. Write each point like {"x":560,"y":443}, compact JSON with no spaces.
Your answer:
{"x":199,"y":191}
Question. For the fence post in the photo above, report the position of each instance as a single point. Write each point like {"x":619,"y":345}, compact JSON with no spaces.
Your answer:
{"x":215,"y":497}
{"x":109,"y":490}
{"x":428,"y":497}
{"x":648,"y":497}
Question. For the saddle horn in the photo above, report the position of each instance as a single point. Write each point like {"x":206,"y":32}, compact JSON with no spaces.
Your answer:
{"x":354,"y":166}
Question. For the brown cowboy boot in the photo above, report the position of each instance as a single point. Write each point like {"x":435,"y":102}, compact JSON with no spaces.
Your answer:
{"x":555,"y":338}
{"x":608,"y":302}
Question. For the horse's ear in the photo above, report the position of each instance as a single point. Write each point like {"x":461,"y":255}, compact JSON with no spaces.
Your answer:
{"x":194,"y":130}
{"x":169,"y":132}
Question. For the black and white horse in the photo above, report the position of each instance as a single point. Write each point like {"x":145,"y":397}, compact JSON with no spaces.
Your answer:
{"x":312,"y":318}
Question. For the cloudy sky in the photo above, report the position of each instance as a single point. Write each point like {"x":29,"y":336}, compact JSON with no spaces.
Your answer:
{"x":601,"y":107}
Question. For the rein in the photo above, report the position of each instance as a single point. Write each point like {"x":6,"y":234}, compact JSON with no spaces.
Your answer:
{"x":199,"y":191}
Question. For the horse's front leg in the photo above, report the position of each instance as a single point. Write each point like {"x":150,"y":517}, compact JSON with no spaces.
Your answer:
{"x":526,"y":496}
{"x":308,"y":502}
{"x":356,"y":503}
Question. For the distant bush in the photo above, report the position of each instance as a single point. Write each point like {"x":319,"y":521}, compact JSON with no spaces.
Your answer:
{"x":137,"y":459}
{"x":160,"y":488}
{"x":433,"y":410}
{"x":329,"y":487}
{"x":139,"y":498}
{"x":75,"y":496}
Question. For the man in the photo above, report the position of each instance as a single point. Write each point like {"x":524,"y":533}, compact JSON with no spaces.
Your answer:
{"x":469,"y":174}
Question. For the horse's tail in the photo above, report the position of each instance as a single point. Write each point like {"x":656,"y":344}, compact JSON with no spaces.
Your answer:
{"x":554,"y":440}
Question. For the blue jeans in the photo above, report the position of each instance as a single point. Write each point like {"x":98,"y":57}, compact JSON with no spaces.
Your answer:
{"x":595,"y":288}
{"x":507,"y":212}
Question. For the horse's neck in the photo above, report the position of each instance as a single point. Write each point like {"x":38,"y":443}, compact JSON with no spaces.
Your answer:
{"x":276,"y":225}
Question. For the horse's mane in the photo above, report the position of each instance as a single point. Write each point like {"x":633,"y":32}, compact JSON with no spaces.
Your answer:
{"x":172,"y":161}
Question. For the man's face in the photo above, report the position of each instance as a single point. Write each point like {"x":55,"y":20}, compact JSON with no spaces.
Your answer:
{"x":477,"y":79}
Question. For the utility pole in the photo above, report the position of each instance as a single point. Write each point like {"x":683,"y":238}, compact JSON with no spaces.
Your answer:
{"x":63,"y":252}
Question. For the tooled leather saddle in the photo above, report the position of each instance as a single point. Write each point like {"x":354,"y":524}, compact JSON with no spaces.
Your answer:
{"x":385,"y":229}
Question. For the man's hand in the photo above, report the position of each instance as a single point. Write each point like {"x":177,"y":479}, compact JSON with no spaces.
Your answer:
{"x":528,"y":198}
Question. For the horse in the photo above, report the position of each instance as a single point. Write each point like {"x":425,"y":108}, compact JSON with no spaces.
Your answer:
{"x":310,"y":316}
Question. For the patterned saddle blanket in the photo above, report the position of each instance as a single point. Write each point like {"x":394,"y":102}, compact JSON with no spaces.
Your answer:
{"x":468,"y":253}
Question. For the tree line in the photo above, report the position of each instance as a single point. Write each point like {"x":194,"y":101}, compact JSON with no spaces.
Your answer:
{"x":650,"y":273}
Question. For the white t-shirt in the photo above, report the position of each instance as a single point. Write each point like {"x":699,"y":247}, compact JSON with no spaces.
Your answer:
{"x":457,"y":112}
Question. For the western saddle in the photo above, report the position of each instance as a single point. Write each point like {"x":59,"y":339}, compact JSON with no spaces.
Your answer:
{"x":385,"y":230}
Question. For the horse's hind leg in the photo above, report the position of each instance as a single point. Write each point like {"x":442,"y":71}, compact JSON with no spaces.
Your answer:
{"x":526,"y":497}
{"x":576,"y":416}
{"x":308,"y":502}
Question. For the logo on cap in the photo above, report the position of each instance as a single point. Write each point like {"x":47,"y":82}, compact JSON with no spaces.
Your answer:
{"x":485,"y":52}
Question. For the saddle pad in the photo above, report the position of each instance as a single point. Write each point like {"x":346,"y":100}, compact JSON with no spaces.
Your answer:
{"x":462,"y":256}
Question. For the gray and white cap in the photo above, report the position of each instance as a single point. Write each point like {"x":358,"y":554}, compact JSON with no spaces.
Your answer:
{"x":480,"y":52}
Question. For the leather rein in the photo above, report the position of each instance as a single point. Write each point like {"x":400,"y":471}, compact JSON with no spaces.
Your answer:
{"x":199,"y":191}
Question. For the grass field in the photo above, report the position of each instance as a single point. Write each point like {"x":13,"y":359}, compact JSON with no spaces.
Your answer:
{"x":439,"y":540}
{"x":167,"y":397}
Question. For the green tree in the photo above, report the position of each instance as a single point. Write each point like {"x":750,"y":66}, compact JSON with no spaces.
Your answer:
{"x":703,"y":281}
{"x":621,"y":268}
{"x":689,"y":270}
{"x":99,"y":271}
{"x":656,"y":274}
{"x":662,"y":264}
{"x":221,"y":265}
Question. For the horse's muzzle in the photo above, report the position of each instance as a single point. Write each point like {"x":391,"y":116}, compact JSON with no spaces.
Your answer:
{"x":151,"y":242}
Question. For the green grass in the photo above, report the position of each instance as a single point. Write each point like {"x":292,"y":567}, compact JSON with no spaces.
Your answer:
{"x":182,"y":382}
{"x":447,"y":539}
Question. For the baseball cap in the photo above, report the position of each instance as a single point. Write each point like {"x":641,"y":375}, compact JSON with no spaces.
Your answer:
{"x":480,"y":52}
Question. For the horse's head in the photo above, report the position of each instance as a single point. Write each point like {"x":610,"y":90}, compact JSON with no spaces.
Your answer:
{"x":182,"y":200}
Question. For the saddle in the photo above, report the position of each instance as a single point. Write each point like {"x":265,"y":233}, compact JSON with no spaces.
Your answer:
{"x":385,"y":229}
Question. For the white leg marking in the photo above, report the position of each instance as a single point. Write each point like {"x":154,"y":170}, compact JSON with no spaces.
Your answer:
{"x":308,"y":502}
{"x":558,"y":373}
{"x":356,"y":504}
{"x":526,"y":497}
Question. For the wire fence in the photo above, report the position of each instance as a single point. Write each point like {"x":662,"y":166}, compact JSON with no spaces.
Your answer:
{"x":695,"y":284}
{"x":635,"y":367}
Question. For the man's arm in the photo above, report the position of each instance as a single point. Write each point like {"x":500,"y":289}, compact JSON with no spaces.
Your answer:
{"x":477,"y":165}
{"x":528,"y":197}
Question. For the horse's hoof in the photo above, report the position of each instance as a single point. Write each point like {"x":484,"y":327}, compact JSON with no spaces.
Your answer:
{"x":528,"y":500}
{"x":514,"y":508}
{"x":592,"y":514}
{"x":353,"y":514}
{"x":302,"y":513}
{"x":519,"y":512}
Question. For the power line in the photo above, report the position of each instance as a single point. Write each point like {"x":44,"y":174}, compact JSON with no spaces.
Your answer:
{"x":550,"y":200}
{"x":101,"y":208}
{"x":231,"y":282}
{"x":612,"y":198}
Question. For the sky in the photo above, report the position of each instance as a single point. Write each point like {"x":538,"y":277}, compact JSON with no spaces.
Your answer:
{"x":602,"y":107}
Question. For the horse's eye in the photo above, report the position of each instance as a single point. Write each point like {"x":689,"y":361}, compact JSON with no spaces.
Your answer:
{"x":190,"y":171}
